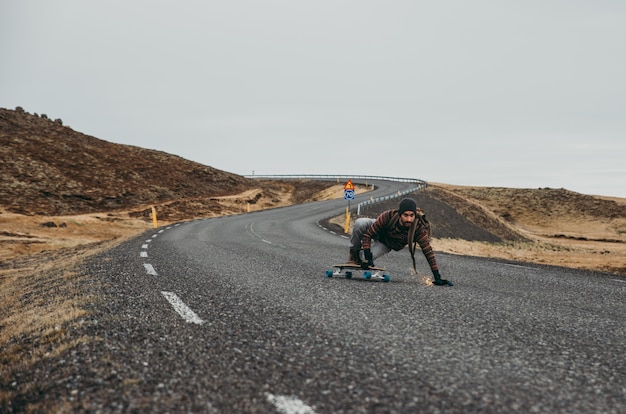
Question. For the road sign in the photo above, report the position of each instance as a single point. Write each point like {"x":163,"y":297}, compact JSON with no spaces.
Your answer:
{"x":349,"y":186}
{"x":348,"y":194}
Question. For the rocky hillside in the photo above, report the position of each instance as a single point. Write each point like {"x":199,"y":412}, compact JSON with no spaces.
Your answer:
{"x":554,"y":213}
{"x":50,"y":169}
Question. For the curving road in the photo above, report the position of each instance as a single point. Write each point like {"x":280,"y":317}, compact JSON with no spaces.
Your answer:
{"x":234,"y":314}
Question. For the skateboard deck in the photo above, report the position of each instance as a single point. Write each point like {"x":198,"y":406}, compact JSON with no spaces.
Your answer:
{"x":373,"y":273}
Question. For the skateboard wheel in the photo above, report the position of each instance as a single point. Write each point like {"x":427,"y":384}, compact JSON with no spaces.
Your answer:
{"x":348,"y":275}
{"x":367,"y":275}
{"x":329,"y":273}
{"x":386,"y":278}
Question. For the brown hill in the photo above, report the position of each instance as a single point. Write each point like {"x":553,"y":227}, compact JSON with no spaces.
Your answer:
{"x":50,"y":169}
{"x":555,"y":213}
{"x":559,"y":226}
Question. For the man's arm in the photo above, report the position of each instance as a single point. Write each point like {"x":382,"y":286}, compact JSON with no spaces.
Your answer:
{"x":422,"y":237}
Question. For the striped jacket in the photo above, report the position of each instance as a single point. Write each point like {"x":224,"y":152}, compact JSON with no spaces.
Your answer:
{"x":387,"y":230}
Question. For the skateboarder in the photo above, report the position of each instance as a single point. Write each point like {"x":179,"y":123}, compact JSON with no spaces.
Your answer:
{"x":393,"y":230}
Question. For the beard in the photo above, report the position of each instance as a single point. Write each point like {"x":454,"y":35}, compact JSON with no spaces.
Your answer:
{"x":406,"y":224}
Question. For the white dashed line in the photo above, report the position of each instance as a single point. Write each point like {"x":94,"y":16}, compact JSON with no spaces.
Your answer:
{"x":619,"y":280}
{"x":334,"y":233}
{"x":143,"y":254}
{"x":144,"y":246}
{"x":149,"y":269}
{"x":289,"y":405}
{"x":154,"y":235}
{"x":266,"y":241}
{"x":161,"y":231}
{"x":182,"y":309}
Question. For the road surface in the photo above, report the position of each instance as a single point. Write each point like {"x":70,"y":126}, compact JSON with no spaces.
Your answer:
{"x":235,"y":314}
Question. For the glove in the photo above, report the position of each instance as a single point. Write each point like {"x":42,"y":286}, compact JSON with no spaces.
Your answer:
{"x":369,"y":259}
{"x":439,"y":281}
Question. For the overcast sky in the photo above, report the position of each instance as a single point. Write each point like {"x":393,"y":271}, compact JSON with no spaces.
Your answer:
{"x":525,"y":93}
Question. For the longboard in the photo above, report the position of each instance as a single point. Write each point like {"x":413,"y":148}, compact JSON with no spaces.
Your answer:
{"x":339,"y":270}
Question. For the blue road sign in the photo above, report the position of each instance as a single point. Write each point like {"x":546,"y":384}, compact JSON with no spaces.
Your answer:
{"x":348,"y":194}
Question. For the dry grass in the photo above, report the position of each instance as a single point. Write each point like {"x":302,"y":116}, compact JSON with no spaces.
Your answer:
{"x":22,"y":235}
{"x":605,"y":257}
{"x":40,"y":287}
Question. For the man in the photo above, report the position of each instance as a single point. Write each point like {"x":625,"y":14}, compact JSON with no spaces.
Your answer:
{"x":393,"y":230}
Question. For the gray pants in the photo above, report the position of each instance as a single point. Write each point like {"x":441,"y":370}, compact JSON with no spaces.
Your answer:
{"x":360,"y":226}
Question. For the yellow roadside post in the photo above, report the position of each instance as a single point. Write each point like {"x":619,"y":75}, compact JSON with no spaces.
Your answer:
{"x":154,"y":217}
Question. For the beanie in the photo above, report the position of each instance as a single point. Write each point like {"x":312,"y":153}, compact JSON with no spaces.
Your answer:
{"x":407,"y":204}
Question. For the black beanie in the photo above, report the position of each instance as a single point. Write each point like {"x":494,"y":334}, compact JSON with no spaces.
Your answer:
{"x":407,"y":204}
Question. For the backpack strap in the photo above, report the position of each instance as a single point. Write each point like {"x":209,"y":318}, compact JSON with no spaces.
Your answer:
{"x":420,"y":218}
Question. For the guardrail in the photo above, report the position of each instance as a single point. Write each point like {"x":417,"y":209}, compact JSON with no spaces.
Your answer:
{"x":417,"y":188}
{"x":419,"y":184}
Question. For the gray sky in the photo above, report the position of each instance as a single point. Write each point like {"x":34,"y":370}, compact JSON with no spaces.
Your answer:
{"x":525,"y":93}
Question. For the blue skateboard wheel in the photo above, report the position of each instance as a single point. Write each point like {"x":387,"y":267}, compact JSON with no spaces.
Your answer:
{"x":329,"y":273}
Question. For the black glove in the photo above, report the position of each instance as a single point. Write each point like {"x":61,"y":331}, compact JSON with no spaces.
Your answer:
{"x":369,"y":259}
{"x":439,"y":281}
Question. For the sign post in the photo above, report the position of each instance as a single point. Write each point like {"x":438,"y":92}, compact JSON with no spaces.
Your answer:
{"x":348,"y":194}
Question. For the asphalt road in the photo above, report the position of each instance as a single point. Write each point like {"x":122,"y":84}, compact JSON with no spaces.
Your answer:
{"x":235,"y":314}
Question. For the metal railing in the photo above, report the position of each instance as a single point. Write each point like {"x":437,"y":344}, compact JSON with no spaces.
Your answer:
{"x":418,"y":187}
{"x":419,"y":184}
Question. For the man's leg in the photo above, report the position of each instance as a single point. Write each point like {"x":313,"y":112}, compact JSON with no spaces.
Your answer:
{"x":360,"y":226}
{"x":378,"y":249}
